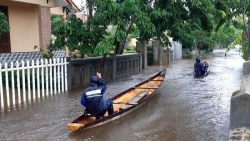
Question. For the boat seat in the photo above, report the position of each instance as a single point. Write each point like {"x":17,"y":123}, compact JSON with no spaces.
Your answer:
{"x":145,"y":87}
{"x":134,"y":100}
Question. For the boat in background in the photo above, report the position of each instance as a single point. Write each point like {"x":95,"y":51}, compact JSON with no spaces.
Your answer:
{"x":124,"y":103}
{"x":207,"y":71}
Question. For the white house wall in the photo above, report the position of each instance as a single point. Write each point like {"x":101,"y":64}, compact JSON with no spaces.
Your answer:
{"x":177,"y":48}
{"x":38,"y":2}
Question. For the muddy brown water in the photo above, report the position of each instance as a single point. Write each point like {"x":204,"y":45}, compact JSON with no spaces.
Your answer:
{"x":183,"y":109}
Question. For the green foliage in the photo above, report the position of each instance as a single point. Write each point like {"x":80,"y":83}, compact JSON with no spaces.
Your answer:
{"x":129,"y":51}
{"x":4,"y":25}
{"x":204,"y":56}
{"x":135,"y":32}
{"x":88,"y":37}
{"x":55,"y":20}
{"x":50,"y":48}
{"x":150,"y":48}
{"x":132,"y":48}
{"x":102,"y":47}
{"x":194,"y":22}
{"x":236,"y":13}
{"x":187,"y":54}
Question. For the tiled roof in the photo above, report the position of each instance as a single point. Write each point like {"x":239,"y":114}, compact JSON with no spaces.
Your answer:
{"x":24,"y":56}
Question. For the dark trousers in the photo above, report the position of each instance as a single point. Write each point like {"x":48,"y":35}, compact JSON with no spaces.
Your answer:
{"x":109,"y":107}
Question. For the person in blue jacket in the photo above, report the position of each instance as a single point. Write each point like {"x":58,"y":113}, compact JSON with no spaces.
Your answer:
{"x":199,"y":68}
{"x":93,"y":99}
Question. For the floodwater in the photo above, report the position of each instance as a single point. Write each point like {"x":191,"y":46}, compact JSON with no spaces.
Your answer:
{"x":183,"y":109}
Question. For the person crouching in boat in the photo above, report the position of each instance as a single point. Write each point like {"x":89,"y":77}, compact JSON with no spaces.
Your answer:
{"x":92,"y":98}
{"x":200,"y":68}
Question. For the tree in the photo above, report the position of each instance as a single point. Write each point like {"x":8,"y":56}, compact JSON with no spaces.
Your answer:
{"x":4,"y":26}
{"x":182,"y":20}
{"x":237,"y":13}
{"x":77,"y":35}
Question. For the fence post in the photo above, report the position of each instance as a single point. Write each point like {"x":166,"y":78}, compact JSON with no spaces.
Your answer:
{"x":7,"y":84}
{"x":68,"y":68}
{"x":33,"y":79}
{"x":1,"y":86}
{"x":141,"y":48}
{"x":54,"y":72}
{"x":38,"y":78}
{"x":50,"y":77}
{"x":65,"y":73}
{"x":62,"y":74}
{"x":141,"y":62}
{"x":58,"y":74}
{"x":12,"y":83}
{"x":144,"y":55}
{"x":23,"y":74}
{"x":114,"y":66}
{"x":156,"y":55}
{"x":42,"y":76}
{"x":18,"y":82}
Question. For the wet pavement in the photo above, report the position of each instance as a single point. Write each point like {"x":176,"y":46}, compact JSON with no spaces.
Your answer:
{"x":183,"y":109}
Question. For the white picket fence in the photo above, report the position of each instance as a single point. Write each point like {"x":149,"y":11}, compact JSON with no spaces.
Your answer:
{"x":31,"y":80}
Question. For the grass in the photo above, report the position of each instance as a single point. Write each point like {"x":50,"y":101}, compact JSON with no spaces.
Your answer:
{"x":125,"y":51}
{"x":202,"y":56}
{"x":129,"y":51}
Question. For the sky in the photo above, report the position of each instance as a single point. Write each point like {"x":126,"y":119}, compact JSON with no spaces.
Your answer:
{"x":77,"y":2}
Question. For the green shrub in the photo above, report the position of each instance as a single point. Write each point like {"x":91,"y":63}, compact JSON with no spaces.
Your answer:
{"x":187,"y":54}
{"x":150,"y":48}
{"x":129,"y":51}
{"x":132,"y":48}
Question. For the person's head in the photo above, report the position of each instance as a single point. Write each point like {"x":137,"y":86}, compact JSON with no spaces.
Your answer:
{"x":198,"y":60}
{"x":95,"y":84}
{"x":93,"y":80}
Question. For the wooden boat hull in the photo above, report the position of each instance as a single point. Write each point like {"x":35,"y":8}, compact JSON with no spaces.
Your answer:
{"x":124,"y":103}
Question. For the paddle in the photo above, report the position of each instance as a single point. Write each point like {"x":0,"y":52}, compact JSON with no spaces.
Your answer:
{"x":125,"y":103}
{"x":102,"y":63}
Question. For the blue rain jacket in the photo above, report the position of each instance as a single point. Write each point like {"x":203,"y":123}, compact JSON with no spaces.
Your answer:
{"x":199,"y":68}
{"x":92,"y":97}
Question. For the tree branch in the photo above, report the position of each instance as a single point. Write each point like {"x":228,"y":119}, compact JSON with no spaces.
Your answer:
{"x":127,"y":32}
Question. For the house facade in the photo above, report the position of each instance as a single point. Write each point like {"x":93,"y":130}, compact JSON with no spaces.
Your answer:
{"x":30,"y":23}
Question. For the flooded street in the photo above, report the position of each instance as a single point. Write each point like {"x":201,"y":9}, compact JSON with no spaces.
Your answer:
{"x":183,"y":108}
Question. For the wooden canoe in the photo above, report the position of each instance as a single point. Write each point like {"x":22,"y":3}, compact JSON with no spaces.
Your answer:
{"x":124,"y":103}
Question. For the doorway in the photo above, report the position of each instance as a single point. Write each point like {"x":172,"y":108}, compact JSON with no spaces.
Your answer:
{"x":5,"y":38}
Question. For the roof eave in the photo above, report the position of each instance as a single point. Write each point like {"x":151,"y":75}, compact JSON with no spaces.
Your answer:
{"x":73,"y":4}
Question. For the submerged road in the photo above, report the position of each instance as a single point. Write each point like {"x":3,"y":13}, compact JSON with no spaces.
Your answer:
{"x":183,"y":109}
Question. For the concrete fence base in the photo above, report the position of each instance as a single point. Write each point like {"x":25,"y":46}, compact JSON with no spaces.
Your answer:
{"x":240,"y":109}
{"x":240,"y":105}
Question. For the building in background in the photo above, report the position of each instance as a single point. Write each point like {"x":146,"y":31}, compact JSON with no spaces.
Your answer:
{"x":30,"y":26}
{"x":30,"y":23}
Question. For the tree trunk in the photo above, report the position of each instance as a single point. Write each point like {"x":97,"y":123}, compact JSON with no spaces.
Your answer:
{"x":198,"y":47}
{"x":120,"y":47}
{"x":117,"y":48}
{"x":127,"y":32}
{"x":90,"y":6}
{"x":90,"y":12}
